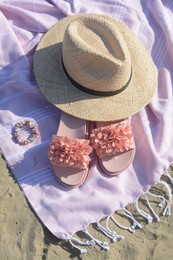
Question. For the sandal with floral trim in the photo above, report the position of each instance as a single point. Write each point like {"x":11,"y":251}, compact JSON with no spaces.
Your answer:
{"x":69,"y":151}
{"x":114,"y":145}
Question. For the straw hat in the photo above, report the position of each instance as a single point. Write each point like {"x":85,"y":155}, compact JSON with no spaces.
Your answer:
{"x":95,"y":68}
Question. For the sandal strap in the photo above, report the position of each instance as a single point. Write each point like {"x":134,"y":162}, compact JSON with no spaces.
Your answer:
{"x":69,"y":152}
{"x":112,"y":139}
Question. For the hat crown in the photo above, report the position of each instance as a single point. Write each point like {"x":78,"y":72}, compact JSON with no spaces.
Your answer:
{"x":95,"y":54}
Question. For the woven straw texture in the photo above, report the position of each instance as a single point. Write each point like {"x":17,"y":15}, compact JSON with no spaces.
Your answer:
{"x":105,"y":65}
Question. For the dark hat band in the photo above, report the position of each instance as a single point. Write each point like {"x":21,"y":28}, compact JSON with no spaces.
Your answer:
{"x":91,"y":91}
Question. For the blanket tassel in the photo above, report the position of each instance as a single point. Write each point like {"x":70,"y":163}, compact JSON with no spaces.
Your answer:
{"x":167,"y":210}
{"x":107,"y":226}
{"x":109,"y":233}
{"x":130,"y":228}
{"x":86,"y":243}
{"x":151,"y":209}
{"x":135,"y":222}
{"x":103,"y":245}
{"x":143,"y":213}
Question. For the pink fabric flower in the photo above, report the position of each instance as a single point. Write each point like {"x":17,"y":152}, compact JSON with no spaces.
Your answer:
{"x":112,"y":139}
{"x":67,"y":152}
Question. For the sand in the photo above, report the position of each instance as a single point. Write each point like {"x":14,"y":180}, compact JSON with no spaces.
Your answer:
{"x":22,"y":236}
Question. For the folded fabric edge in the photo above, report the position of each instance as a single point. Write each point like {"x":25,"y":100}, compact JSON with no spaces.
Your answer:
{"x":164,"y":202}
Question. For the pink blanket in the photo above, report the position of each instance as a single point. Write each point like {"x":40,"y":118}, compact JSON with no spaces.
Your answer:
{"x":65,"y":211}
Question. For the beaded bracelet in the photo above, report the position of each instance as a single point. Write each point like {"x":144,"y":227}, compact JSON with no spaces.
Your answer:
{"x":34,"y":133}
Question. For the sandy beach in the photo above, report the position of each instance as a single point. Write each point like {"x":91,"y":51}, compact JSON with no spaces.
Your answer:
{"x":22,"y":236}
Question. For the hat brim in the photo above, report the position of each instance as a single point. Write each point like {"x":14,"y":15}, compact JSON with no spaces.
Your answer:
{"x":59,"y":91}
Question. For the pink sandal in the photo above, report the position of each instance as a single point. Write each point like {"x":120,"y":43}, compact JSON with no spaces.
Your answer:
{"x":69,"y":151}
{"x":114,"y":145}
